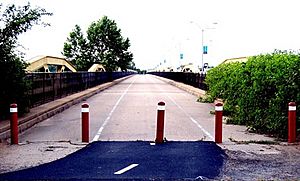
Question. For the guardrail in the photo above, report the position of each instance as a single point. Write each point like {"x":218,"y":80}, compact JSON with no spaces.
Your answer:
{"x":193,"y":79}
{"x":46,"y":87}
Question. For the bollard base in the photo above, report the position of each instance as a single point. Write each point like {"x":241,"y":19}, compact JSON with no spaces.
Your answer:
{"x":159,"y":142}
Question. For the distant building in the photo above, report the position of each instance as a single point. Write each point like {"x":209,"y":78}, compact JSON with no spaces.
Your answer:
{"x":49,"y":64}
{"x":96,"y":68}
{"x":239,"y":59}
{"x":162,"y":68}
{"x":188,"y":68}
{"x":166,"y":69}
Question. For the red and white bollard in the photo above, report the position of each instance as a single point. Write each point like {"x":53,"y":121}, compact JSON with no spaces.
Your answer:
{"x":85,"y":122}
{"x":160,"y":123}
{"x":218,"y":122}
{"x":292,"y":122}
{"x":14,"y":129}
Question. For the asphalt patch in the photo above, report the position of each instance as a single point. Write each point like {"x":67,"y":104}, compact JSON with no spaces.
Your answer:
{"x":102,"y":160}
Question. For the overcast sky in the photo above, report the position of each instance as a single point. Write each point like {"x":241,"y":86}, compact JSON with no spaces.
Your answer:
{"x":159,"y":30}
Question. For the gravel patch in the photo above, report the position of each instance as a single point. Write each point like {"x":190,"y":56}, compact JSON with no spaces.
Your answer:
{"x":30,"y":154}
{"x":282,"y":162}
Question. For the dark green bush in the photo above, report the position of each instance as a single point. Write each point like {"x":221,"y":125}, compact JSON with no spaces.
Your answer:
{"x":256,"y":93}
{"x":14,"y":86}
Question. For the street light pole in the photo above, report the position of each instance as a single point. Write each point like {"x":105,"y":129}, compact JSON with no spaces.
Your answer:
{"x":202,"y":41}
{"x":202,"y":49}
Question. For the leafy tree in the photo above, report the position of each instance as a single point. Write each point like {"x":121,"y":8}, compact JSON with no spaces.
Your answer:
{"x":132,"y":66}
{"x":76,"y":49}
{"x":104,"y":44}
{"x":13,"y":22}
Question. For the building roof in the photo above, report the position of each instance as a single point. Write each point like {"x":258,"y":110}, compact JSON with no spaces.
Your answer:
{"x":40,"y":61}
{"x":238,"y":59}
{"x":96,"y":68}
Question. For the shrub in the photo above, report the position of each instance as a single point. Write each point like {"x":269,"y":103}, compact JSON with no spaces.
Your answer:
{"x":15,"y":21}
{"x":257,"y":93}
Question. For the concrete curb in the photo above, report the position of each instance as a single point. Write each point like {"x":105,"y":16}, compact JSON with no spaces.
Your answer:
{"x":45,"y":111}
{"x":190,"y":89}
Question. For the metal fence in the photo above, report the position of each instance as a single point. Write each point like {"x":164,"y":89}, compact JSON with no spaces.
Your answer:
{"x":46,"y":87}
{"x":193,"y":79}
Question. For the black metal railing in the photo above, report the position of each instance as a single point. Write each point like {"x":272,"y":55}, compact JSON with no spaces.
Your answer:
{"x":46,"y":87}
{"x":193,"y":79}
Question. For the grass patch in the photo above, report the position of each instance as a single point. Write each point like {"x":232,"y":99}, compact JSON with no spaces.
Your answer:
{"x":262,"y":142}
{"x":205,"y":99}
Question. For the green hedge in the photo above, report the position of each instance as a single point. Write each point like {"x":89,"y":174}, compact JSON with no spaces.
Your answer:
{"x":256,"y":93}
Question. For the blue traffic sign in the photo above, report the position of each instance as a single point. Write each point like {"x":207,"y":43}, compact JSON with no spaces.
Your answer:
{"x":204,"y":49}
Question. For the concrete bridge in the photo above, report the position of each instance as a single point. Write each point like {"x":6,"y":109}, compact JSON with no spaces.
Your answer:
{"x":122,"y":132}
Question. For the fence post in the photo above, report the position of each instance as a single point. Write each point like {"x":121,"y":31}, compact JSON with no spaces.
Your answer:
{"x":14,"y":129}
{"x":160,"y":123}
{"x":44,"y":96}
{"x":85,"y":122}
{"x":53,"y":86}
{"x":31,"y":87}
{"x":218,"y":122}
{"x":292,"y":122}
{"x":60,"y":86}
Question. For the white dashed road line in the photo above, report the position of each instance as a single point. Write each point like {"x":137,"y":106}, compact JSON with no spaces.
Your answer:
{"x":96,"y":138}
{"x":190,"y":117}
{"x":126,"y":169}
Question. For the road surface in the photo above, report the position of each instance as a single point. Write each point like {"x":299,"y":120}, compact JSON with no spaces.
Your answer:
{"x":133,"y":160}
{"x":127,"y":112}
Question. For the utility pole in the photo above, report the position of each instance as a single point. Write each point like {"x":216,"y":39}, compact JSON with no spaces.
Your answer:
{"x":202,"y":40}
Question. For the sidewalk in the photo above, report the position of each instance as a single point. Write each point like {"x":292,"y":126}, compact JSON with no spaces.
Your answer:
{"x":42,"y":112}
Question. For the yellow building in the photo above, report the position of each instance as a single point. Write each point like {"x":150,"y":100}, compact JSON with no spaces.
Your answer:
{"x":96,"y":68}
{"x":49,"y":64}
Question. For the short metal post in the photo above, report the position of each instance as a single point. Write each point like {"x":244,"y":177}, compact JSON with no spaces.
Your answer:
{"x":292,"y":122}
{"x":218,"y":122}
{"x":14,"y":129}
{"x":85,"y":122}
{"x":160,"y":123}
